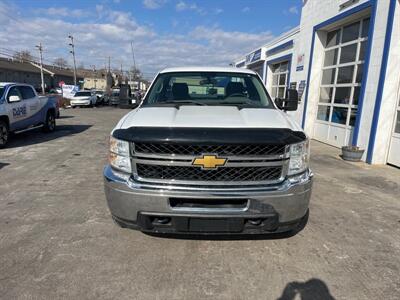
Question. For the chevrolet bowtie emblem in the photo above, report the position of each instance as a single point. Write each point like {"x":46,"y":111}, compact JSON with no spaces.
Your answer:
{"x":209,"y":162}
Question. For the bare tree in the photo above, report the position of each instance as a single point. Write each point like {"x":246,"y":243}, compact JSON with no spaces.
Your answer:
{"x":24,"y":55}
{"x":60,"y":62}
{"x":135,"y":73}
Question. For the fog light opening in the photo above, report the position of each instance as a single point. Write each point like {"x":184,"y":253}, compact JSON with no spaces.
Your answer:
{"x":255,"y":222}
{"x":161,"y":220}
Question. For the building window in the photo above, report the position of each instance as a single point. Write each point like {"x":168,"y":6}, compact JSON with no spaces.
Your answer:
{"x":280,"y":74}
{"x":342,"y":73}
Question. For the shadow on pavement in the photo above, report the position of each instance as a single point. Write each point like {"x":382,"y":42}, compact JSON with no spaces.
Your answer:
{"x":65,"y":117}
{"x":36,"y":136}
{"x":224,"y":237}
{"x":2,"y":165}
{"x":309,"y":290}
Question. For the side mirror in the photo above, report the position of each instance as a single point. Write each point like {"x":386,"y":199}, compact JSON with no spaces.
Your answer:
{"x":291,"y":101}
{"x":14,"y":98}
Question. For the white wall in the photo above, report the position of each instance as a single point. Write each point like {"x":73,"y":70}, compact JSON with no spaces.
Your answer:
{"x":390,"y":94}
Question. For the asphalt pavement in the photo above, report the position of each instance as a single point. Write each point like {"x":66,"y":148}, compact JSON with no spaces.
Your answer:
{"x":57,"y":239}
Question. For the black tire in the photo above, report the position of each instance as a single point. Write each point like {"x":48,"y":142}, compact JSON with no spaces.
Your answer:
{"x":50,"y":122}
{"x":4,"y":134}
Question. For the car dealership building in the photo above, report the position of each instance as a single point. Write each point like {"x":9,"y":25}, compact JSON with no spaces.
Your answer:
{"x":344,"y":59}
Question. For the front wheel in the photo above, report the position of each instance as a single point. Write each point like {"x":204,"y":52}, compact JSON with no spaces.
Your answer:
{"x":4,"y":134}
{"x":50,"y":123}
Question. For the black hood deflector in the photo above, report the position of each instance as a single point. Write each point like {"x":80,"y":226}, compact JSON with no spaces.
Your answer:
{"x":210,"y":136}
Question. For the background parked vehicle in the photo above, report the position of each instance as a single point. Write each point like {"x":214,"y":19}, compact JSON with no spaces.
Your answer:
{"x":114,"y":98}
{"x":126,"y":97}
{"x":100,"y":97}
{"x":83,"y":98}
{"x":22,"y":109}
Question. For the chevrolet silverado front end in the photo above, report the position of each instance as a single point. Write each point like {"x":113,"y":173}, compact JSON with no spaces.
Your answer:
{"x":208,"y":152}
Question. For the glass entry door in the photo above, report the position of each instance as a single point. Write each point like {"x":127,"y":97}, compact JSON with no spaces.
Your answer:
{"x":341,"y":80}
{"x":280,"y":74}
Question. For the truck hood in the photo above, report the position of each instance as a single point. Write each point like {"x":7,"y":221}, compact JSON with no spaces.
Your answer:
{"x":208,"y":117}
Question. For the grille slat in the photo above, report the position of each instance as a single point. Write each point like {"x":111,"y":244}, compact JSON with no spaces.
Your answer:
{"x":197,"y":174}
{"x":222,"y":150}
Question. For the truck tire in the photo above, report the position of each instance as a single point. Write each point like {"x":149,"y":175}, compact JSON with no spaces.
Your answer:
{"x":4,"y":134}
{"x":50,"y":122}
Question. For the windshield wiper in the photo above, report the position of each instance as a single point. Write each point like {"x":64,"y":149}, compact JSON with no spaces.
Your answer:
{"x":240,"y":103}
{"x":178,"y":103}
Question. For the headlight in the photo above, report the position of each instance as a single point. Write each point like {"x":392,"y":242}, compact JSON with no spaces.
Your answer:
{"x":299,"y":157}
{"x":119,"y":155}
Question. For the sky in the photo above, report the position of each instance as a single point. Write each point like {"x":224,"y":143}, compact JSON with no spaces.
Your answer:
{"x":165,"y":33}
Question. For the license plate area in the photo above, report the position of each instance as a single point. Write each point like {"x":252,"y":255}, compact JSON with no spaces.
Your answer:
{"x":203,"y":223}
{"x":215,"y":225}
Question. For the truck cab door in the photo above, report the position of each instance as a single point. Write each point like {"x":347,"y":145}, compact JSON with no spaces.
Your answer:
{"x":16,"y":109}
{"x":33,"y":104}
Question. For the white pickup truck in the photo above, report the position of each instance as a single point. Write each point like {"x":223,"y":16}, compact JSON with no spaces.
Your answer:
{"x":209,"y":152}
{"x":22,"y":109}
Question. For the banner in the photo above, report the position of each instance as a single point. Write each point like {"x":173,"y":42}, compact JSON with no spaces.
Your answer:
{"x":69,"y":91}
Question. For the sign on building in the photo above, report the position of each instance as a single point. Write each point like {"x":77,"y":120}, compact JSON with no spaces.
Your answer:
{"x":300,"y":62}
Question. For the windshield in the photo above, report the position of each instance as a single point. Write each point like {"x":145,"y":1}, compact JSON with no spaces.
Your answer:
{"x":99,"y":93}
{"x":79,"y":94}
{"x":208,"y":88}
{"x":115,"y":93}
{"x":1,"y":91}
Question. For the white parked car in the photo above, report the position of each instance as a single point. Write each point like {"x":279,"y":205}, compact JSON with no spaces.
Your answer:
{"x":83,"y":98}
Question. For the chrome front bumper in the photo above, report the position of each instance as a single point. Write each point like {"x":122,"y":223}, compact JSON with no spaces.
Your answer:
{"x":127,"y":199}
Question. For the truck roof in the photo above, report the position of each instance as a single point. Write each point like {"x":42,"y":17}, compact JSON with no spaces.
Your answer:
{"x":209,"y":69}
{"x":2,"y":84}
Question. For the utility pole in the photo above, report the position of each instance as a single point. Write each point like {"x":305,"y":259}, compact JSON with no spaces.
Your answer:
{"x":122,"y":75}
{"x":94,"y":75}
{"x":73,"y":54}
{"x":134,"y":62}
{"x":40,"y":48}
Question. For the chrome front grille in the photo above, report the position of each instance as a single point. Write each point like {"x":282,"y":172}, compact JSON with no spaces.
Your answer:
{"x":232,"y":174}
{"x":222,"y":150}
{"x":172,"y":164}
